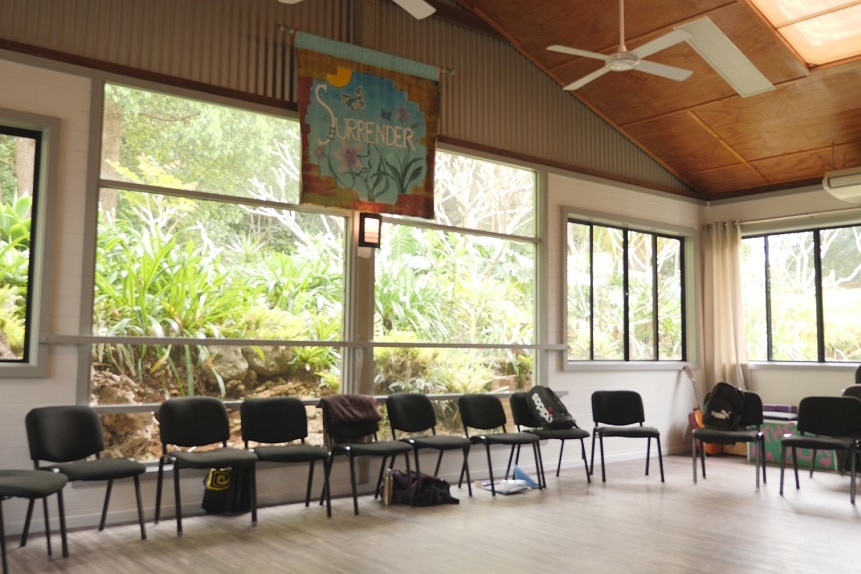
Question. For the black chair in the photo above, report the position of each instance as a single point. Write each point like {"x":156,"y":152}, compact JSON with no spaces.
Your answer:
{"x":749,"y":431}
{"x":622,"y":414}
{"x":71,"y":438}
{"x":413,"y":413}
{"x":192,"y":422}
{"x":484,"y":412}
{"x":267,"y":421}
{"x":525,"y":420}
{"x":351,"y":423}
{"x":852,"y":391}
{"x":33,"y":485}
{"x":825,"y":423}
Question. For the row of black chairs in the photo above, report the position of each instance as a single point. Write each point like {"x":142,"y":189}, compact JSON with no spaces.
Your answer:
{"x":66,"y":443}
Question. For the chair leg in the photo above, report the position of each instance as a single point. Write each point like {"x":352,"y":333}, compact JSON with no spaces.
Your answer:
{"x":177,"y":499}
{"x":660,"y":458}
{"x":603,"y":471}
{"x":852,"y":471}
{"x":140,"y":506}
{"x":648,"y":453}
{"x":782,"y":466}
{"x":26,"y":530}
{"x":158,"y":488}
{"x":490,"y":469}
{"x":761,"y":453}
{"x":757,"y":462}
{"x":813,"y":463}
{"x":592,"y":460}
{"x":510,"y":460}
{"x":382,"y":474}
{"x":559,"y":462}
{"x":585,"y":460}
{"x":465,"y":468}
{"x":253,"y":493}
{"x":438,"y":463}
{"x":326,"y":467}
{"x":795,"y":467}
{"x":353,"y":484}
{"x":47,"y":528}
{"x":539,"y":465}
{"x":310,"y":482}
{"x":694,"y":456}
{"x":105,"y":505}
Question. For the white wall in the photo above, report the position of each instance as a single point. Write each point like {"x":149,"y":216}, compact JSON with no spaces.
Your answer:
{"x":667,"y":394}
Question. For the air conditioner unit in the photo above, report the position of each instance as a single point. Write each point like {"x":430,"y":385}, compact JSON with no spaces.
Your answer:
{"x":844,"y":184}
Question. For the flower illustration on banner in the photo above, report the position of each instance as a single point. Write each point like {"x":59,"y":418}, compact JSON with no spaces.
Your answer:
{"x":349,"y":157}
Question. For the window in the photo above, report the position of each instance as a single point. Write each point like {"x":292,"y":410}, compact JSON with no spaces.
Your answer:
{"x":625,"y":300}
{"x":200,"y":239}
{"x":461,"y":289}
{"x":821,"y":31}
{"x":802,"y":295}
{"x":20,"y":164}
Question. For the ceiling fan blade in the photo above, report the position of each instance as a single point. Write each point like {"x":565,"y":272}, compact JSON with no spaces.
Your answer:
{"x":587,"y":78}
{"x":669,"y":72}
{"x":417,"y":8}
{"x":576,"y":52}
{"x":289,"y":1}
{"x":661,"y":43}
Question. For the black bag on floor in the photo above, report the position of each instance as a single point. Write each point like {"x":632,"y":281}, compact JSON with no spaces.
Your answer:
{"x":227,"y":491}
{"x":547,"y":407}
{"x":426,"y":490}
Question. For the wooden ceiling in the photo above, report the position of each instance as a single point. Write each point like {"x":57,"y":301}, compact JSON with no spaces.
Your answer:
{"x":721,"y":144}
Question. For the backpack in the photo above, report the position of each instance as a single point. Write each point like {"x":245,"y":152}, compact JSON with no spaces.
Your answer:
{"x":724,"y":407}
{"x":547,"y":407}
{"x":426,"y":490}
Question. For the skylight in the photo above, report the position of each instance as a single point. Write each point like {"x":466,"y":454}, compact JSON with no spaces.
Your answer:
{"x":821,"y":31}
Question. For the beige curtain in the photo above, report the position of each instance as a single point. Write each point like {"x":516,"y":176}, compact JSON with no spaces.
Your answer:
{"x":725,"y":350}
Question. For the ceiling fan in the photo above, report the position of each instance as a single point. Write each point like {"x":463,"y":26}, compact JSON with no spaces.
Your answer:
{"x":624,"y":60}
{"x":417,"y":8}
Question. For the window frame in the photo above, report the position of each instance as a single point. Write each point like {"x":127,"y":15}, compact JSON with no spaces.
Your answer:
{"x":687,"y":282}
{"x":42,"y":242}
{"x":757,"y":232}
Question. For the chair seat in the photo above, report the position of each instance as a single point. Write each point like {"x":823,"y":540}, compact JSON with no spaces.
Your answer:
{"x":718,"y":436}
{"x":818,"y":442}
{"x":30,"y":483}
{"x":509,"y":438}
{"x":631,"y":432}
{"x":222,"y":457}
{"x":291,"y":453}
{"x":573,"y":433}
{"x":439,"y":442}
{"x":383,"y":448}
{"x":100,"y":469}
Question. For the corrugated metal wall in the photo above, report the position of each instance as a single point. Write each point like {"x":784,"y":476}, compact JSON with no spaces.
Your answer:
{"x":495,"y":98}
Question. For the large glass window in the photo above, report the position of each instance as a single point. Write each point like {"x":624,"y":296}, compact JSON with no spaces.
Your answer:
{"x":802,"y":295}
{"x":199,"y":238}
{"x":463,"y":286}
{"x":20,"y":162}
{"x":625,"y":299}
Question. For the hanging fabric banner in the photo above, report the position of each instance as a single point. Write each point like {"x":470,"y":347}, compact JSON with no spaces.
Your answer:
{"x":369,"y":127}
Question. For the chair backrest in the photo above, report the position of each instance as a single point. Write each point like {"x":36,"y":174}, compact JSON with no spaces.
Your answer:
{"x":830,"y":416}
{"x":858,"y":375}
{"x":752,"y":415}
{"x":410,"y":412}
{"x":64,"y":433}
{"x":853,"y":391}
{"x":273,"y":420}
{"x":617,"y":408}
{"x":193,"y":421}
{"x":339,"y":432}
{"x":481,"y":411}
{"x":521,"y":413}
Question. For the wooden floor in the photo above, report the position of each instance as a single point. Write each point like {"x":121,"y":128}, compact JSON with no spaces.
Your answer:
{"x":631,"y":524}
